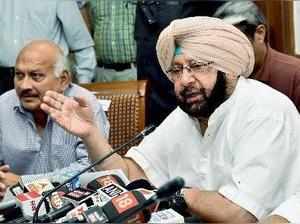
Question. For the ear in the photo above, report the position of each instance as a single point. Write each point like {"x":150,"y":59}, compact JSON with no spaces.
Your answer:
{"x":260,"y":33}
{"x":64,"y":80}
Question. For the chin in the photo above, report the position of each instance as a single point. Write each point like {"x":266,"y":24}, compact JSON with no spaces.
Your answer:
{"x":194,"y":110}
{"x":31,"y":106}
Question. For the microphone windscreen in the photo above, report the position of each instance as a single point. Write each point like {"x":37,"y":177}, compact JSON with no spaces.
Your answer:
{"x":103,"y":181}
{"x":78,"y":196}
{"x":95,"y":215}
{"x":108,"y":192}
{"x":123,"y":205}
{"x":170,"y":188}
{"x":140,"y":183}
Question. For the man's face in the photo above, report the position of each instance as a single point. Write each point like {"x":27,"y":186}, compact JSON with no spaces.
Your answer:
{"x":33,"y":77}
{"x":199,"y":89}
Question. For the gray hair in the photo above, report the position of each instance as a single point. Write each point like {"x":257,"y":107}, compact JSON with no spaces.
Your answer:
{"x":60,"y":64}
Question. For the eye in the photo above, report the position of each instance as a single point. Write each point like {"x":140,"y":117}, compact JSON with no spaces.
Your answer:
{"x":19,"y":75}
{"x":36,"y":76}
{"x":199,"y":67}
{"x":175,"y":69}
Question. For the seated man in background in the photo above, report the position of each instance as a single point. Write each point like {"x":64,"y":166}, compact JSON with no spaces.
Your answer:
{"x":234,"y":140}
{"x":32,"y":146}
{"x":278,"y":70}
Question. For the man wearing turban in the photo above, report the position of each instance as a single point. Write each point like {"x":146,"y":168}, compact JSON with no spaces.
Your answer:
{"x":225,"y":136}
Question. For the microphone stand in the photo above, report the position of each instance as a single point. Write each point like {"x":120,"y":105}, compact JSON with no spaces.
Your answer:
{"x":139,"y":136}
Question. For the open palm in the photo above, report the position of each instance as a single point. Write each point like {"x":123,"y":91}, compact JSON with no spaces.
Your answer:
{"x":73,"y":114}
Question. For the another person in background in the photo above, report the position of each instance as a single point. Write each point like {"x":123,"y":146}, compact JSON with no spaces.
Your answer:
{"x":56,"y":20}
{"x":113,"y":26}
{"x":278,"y":70}
{"x":152,"y":16}
{"x":31,"y":144}
{"x":84,"y":7}
{"x":234,"y":140}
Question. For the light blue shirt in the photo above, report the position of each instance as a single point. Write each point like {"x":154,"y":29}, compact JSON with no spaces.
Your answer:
{"x":22,"y":21}
{"x":81,"y":3}
{"x":54,"y":155}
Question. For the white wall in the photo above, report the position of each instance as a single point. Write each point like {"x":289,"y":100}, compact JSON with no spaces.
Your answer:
{"x":297,"y":26}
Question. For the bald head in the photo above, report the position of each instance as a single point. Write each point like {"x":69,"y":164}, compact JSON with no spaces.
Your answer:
{"x":44,"y":52}
{"x":39,"y":68}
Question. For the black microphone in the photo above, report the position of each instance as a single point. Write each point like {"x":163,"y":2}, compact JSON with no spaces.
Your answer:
{"x":58,"y":213}
{"x":71,"y":199}
{"x":103,"y":181}
{"x":95,"y":215}
{"x":121,"y":207}
{"x":163,"y":192}
{"x":140,"y":183}
{"x":170,"y":188}
{"x":139,"y":136}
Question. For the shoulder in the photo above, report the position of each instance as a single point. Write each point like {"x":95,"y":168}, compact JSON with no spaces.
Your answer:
{"x":178,"y":119}
{"x":8,"y":99}
{"x":287,"y":62}
{"x":258,"y":98}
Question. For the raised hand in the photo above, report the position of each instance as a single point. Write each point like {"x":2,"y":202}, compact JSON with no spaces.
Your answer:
{"x":73,"y":114}
{"x":3,"y":170}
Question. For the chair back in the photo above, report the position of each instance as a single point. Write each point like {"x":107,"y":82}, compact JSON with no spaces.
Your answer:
{"x":127,"y":110}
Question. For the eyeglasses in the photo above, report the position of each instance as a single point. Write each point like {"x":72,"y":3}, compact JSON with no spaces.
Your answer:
{"x":194,"y":67}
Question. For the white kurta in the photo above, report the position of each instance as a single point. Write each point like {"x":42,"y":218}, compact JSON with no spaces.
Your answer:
{"x":249,"y":153}
{"x":290,"y":209}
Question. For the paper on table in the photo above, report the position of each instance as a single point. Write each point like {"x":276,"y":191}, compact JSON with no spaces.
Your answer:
{"x":105,"y":104}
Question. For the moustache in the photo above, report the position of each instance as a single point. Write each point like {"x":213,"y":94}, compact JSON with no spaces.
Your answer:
{"x":28,"y":93}
{"x":187,"y":92}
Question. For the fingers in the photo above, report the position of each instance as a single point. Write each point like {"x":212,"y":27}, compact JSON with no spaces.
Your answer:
{"x":55,"y":96}
{"x":54,"y":99}
{"x":81,"y":101}
{"x":2,"y":185}
{"x":2,"y":190}
{"x":4,"y":168}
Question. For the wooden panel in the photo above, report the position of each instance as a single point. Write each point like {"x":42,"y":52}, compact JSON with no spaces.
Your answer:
{"x":279,"y":14}
{"x":127,"y":111}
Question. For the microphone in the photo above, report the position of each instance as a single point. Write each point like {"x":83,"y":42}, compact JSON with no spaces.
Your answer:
{"x":169,"y":188}
{"x":163,"y":192}
{"x":139,"y":136}
{"x":121,"y":207}
{"x":72,"y":199}
{"x":103,"y":196}
{"x":103,"y":181}
{"x":147,"y":130}
{"x":95,"y":215}
{"x":28,"y":202}
{"x":58,"y":213}
{"x":140,"y":183}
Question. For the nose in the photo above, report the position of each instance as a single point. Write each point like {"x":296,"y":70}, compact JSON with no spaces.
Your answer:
{"x":25,"y":83}
{"x":187,"y":76}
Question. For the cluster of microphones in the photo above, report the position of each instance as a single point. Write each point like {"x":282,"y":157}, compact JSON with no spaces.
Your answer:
{"x":105,"y":199}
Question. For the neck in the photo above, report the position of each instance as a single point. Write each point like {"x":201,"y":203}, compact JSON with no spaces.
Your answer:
{"x":231,"y":82}
{"x":260,"y":58}
{"x":203,"y":121}
{"x":40,"y":120}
